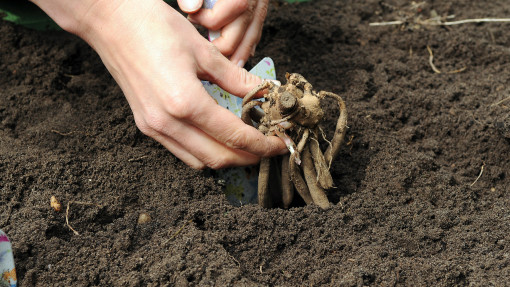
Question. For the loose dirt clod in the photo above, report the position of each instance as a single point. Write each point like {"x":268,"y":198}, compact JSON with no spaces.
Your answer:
{"x":293,"y":113}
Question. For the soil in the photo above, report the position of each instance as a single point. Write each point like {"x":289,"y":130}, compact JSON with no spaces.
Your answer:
{"x":423,"y":183}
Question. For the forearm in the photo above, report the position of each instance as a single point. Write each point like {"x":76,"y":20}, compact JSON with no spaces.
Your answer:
{"x":157,"y":57}
{"x":81,"y":17}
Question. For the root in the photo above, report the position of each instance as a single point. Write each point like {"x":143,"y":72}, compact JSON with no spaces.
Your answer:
{"x":288,"y":142}
{"x":479,"y":175}
{"x":285,"y":119}
{"x":295,"y":172}
{"x":251,"y":95}
{"x":500,"y":102}
{"x":178,"y":231}
{"x":323,"y":176}
{"x":441,"y":23}
{"x":287,"y":186}
{"x":256,"y":115}
{"x":431,"y":61}
{"x":299,"y":182}
{"x":263,"y":189}
{"x":138,"y":158}
{"x":67,"y":213}
{"x":303,"y":141}
{"x":410,"y":16}
{"x":275,"y":181}
{"x":300,"y":146}
{"x":329,"y":144}
{"x":317,"y":193}
{"x":323,"y":135}
{"x":70,"y":133}
{"x":436,"y":70}
{"x":341,"y":127}
{"x":63,"y":134}
{"x":246,"y":114}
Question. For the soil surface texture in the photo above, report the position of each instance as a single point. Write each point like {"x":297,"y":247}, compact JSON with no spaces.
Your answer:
{"x":423,"y":181}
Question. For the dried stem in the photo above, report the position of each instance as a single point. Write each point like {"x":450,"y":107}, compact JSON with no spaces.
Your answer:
{"x":441,"y":23}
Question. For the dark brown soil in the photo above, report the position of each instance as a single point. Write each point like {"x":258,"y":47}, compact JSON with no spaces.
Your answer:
{"x":423,"y":183}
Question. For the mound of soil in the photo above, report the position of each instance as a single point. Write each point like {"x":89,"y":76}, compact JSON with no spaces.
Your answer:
{"x":423,"y":182}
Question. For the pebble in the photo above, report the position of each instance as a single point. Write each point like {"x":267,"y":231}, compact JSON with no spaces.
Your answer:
{"x":143,"y":218}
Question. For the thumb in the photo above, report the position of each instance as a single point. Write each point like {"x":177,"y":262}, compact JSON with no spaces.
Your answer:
{"x":230,"y":77}
{"x":190,"y":6}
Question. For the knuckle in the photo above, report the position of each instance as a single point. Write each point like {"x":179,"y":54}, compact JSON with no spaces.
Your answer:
{"x":151,"y":124}
{"x":197,"y":166}
{"x":210,"y":55}
{"x":237,"y":140}
{"x":261,"y":12}
{"x":218,"y":162}
{"x":227,"y":48}
{"x":142,"y":125}
{"x":179,"y":106}
{"x":242,"y":5}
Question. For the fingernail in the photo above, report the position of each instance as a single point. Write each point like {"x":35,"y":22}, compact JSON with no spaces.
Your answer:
{"x":190,"y":6}
{"x":252,"y":53}
{"x":240,"y":63}
{"x":213,"y":35}
{"x":283,"y":151}
{"x":192,"y":20}
{"x":275,"y":82}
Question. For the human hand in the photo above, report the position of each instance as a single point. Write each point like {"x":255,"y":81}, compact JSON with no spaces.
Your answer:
{"x":240,"y":23}
{"x":158,"y":58}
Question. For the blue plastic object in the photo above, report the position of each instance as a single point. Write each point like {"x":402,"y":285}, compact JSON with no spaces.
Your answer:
{"x":7,"y":270}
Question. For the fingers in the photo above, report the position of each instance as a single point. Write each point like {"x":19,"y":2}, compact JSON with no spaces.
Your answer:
{"x":198,"y":150}
{"x":221,"y":124}
{"x":179,"y":151}
{"x":230,"y":130}
{"x":231,"y":36}
{"x":190,"y":6}
{"x":223,"y":13}
{"x":226,"y":74}
{"x":252,"y":36}
{"x":240,"y":25}
{"x":176,"y":128}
